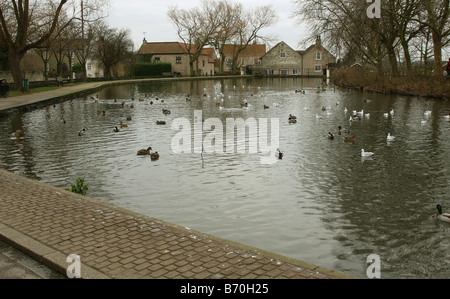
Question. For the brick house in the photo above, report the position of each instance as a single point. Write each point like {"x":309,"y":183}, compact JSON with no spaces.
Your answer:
{"x":177,"y":55}
{"x":284,"y":61}
{"x":250,"y":56}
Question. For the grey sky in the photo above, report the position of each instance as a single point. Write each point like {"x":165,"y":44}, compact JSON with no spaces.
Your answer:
{"x":150,"y":16}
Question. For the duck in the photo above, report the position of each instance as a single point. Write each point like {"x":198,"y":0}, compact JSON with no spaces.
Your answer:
{"x":423,"y":122}
{"x":442,"y":216}
{"x":154,"y":156}
{"x":266,"y":107}
{"x":386,"y":115}
{"x":350,"y":138}
{"x":144,"y":152}
{"x":116,"y":129}
{"x":122,"y":125}
{"x":166,"y":111}
{"x":160,"y":122}
{"x":366,"y":154}
{"x":292,"y":118}
{"x":82,"y":132}
{"x":18,"y":134}
{"x":343,"y":129}
{"x":330,"y":136}
{"x":279,"y":154}
{"x":390,"y":137}
{"x":129,"y":118}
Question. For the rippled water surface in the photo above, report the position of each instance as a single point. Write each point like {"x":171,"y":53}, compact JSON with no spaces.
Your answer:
{"x":323,"y":203}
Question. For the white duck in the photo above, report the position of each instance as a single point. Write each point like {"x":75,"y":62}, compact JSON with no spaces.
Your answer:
{"x":366,"y":154}
{"x":390,"y":137}
{"x":442,"y":216}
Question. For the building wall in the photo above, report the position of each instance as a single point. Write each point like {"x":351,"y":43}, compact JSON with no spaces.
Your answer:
{"x":316,"y":59}
{"x":282,"y":60}
{"x":182,"y":65}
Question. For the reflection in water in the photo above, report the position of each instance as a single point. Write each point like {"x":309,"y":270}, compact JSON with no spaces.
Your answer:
{"x":322,"y":203}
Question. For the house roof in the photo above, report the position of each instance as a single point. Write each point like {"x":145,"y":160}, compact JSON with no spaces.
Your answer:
{"x":250,"y":50}
{"x":170,"y":48}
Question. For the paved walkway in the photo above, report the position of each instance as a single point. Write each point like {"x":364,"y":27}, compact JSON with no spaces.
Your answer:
{"x":49,"y":224}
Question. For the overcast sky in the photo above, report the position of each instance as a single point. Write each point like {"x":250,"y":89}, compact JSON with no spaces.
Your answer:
{"x":150,"y":16}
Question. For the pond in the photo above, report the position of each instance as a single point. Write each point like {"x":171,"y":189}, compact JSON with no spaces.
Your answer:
{"x":323,"y":203}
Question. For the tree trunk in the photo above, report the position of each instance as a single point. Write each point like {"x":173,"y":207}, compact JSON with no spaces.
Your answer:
{"x":437,"y":48}
{"x":14,"y":64}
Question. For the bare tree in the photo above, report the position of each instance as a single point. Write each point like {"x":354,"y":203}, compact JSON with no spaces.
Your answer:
{"x":112,"y":47}
{"x":195,"y":27}
{"x":26,"y":26}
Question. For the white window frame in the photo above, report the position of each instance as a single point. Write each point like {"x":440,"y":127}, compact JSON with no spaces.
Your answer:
{"x":284,"y":72}
{"x":283,"y":55}
{"x":319,"y":56}
{"x":318,"y":68}
{"x":295,"y":72}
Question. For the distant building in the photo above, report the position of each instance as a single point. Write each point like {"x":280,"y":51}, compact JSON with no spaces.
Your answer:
{"x":250,"y":56}
{"x":284,"y":61}
{"x":177,"y":54}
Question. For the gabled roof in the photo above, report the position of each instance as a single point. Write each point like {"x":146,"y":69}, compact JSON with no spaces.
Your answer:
{"x":279,"y":44}
{"x":250,"y":50}
{"x":170,"y":48}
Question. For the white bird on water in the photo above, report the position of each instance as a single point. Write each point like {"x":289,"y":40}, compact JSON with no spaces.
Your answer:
{"x":390,"y":137}
{"x":366,"y":154}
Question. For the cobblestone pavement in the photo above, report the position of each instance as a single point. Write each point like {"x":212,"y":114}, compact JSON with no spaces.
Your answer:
{"x":49,"y":224}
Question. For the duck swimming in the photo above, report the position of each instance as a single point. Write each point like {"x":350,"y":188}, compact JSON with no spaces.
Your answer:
{"x":350,"y":138}
{"x":144,"y":152}
{"x":442,"y":216}
{"x":122,"y":125}
{"x":116,"y":129}
{"x":343,"y":129}
{"x":279,"y":154}
{"x":82,"y":132}
{"x":18,"y":134}
{"x":330,"y":136}
{"x":154,"y":156}
{"x":166,"y":111}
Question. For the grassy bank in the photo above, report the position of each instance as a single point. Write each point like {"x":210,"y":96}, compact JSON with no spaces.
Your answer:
{"x":367,"y":81}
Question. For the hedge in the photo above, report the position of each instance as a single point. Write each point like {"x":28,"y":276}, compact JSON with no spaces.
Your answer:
{"x":151,"y":69}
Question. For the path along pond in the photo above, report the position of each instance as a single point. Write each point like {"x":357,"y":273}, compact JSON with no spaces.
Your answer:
{"x":322,"y":203}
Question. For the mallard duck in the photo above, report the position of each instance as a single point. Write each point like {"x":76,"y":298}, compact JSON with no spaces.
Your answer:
{"x":122,"y":125}
{"x":129,"y":118}
{"x":350,"y":138}
{"x":330,"y":136}
{"x":292,"y":116}
{"x":442,"y":216}
{"x":266,"y":107}
{"x":366,"y":154}
{"x":144,"y":152}
{"x":390,"y":137}
{"x":154,"y":156}
{"x":160,"y":122}
{"x":82,"y":132}
{"x":116,"y":129}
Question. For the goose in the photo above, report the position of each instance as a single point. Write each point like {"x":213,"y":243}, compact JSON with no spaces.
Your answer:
{"x":154,"y":156}
{"x":442,"y":216}
{"x":390,"y":137}
{"x":144,"y":152}
{"x":82,"y":132}
{"x":116,"y":129}
{"x":366,"y":154}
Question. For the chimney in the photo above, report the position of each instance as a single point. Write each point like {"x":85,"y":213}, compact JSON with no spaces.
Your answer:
{"x":144,"y":41}
{"x":318,"y":41}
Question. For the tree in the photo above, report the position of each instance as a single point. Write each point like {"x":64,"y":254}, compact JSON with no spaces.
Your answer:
{"x":111,"y":47}
{"x":26,"y":26}
{"x":195,"y":27}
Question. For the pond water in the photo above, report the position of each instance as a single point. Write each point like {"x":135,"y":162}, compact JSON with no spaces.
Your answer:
{"x":322,"y":203}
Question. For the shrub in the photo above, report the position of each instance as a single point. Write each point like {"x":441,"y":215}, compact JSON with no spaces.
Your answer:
{"x":151,"y":69}
{"x":80,"y":187}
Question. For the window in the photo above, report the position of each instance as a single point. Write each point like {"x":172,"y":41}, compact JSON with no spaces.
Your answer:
{"x":319,"y":56}
{"x":283,"y":55}
{"x":269,"y":72}
{"x":283,"y":72}
{"x":157,"y":60}
{"x":295,"y":72}
{"x":318,"y":68}
{"x":178,"y":60}
{"x":88,"y":67}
